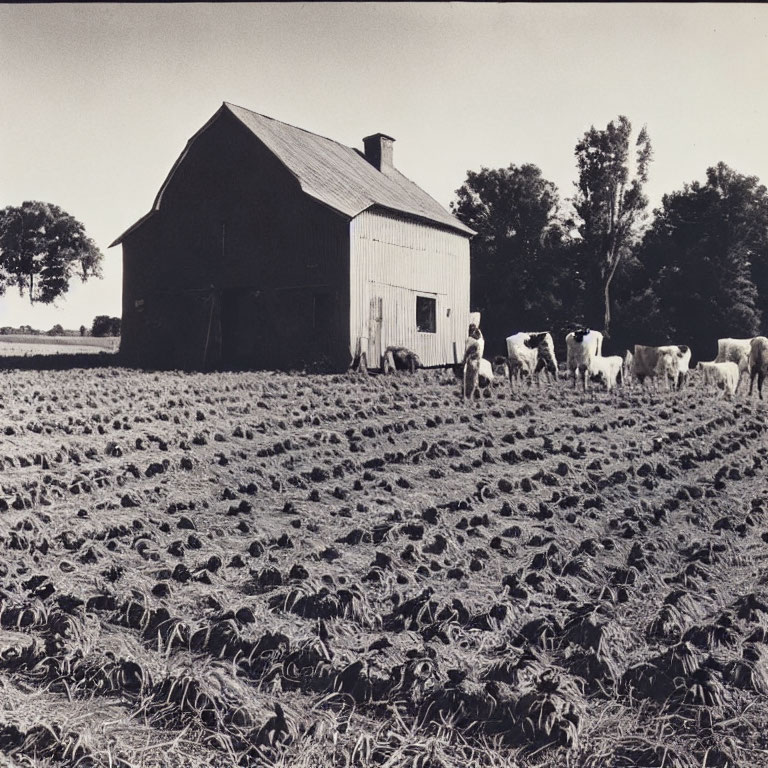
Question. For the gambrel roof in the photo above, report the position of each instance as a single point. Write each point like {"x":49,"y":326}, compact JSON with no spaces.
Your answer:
{"x":332,"y":173}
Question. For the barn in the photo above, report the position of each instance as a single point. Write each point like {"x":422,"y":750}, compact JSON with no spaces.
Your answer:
{"x":268,"y":246}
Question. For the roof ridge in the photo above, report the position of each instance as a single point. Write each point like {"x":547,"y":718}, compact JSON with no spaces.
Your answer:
{"x":333,"y":173}
{"x":291,"y":125}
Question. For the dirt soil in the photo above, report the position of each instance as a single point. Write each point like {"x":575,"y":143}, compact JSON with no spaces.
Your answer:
{"x":304,"y":570}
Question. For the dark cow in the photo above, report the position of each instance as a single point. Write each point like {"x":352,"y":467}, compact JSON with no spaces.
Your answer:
{"x":399,"y":359}
{"x":500,"y":366}
{"x":758,"y":363}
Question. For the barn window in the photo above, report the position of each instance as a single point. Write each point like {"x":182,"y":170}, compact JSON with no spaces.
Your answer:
{"x":426,"y":314}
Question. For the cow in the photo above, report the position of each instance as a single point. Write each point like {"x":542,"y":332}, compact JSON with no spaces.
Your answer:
{"x":734,"y":351}
{"x":399,"y":359}
{"x":486,"y":374}
{"x":683,"y":365}
{"x":626,"y":368}
{"x":758,"y":363}
{"x":475,"y":342}
{"x":721,"y":375}
{"x":582,"y":345}
{"x":609,"y":369}
{"x":478,"y":374}
{"x":673,"y":364}
{"x":662,"y":363}
{"x":500,"y":366}
{"x":530,"y":352}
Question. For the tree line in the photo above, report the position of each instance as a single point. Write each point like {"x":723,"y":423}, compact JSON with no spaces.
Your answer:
{"x":103,"y":325}
{"x":691,"y":271}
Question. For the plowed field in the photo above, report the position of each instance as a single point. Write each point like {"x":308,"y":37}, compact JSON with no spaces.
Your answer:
{"x":267,"y":569}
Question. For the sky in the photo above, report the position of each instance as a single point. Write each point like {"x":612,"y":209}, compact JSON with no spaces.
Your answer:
{"x":98,"y":100}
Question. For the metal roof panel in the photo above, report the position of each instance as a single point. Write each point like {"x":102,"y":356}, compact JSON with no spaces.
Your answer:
{"x":330,"y":172}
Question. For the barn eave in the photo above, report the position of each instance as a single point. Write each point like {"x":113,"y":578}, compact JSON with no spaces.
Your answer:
{"x":459,"y":229}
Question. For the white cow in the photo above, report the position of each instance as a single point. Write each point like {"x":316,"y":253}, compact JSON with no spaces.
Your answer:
{"x":723,"y":376}
{"x":478,"y":374}
{"x":683,"y":366}
{"x":608,"y":368}
{"x":582,"y":345}
{"x":662,"y":363}
{"x":734,"y":351}
{"x":530,"y":352}
{"x":627,"y":368}
{"x":673,"y":364}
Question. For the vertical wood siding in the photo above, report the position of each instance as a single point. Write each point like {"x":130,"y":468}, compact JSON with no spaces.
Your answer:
{"x":392,"y":261}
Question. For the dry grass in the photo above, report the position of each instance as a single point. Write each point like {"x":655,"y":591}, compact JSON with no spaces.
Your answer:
{"x":265,"y":569}
{"x":17,"y":345}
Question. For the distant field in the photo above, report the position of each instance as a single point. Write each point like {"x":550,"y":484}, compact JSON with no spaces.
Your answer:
{"x":20,"y":345}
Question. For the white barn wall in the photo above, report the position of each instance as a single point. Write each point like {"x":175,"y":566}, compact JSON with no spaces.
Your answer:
{"x":392,"y":260}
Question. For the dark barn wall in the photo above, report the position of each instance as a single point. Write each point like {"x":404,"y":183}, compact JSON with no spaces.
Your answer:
{"x":142,"y":324}
{"x":238,"y":266}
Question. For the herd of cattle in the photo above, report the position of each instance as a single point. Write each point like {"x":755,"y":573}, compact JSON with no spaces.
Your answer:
{"x":532,"y":353}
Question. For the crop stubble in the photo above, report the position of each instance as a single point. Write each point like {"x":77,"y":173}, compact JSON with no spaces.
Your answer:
{"x":341,"y":570}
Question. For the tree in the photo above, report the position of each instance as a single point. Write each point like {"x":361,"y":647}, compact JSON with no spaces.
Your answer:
{"x":41,"y":248}
{"x":514,"y":211}
{"x":609,"y":201}
{"x":57,"y":330}
{"x":698,"y":260}
{"x":103,"y":325}
{"x":743,"y":210}
{"x":83,"y":330}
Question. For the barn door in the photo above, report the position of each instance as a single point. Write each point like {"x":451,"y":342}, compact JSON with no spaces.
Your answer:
{"x":230,"y":322}
{"x":375,"y":319}
{"x":242,"y":326}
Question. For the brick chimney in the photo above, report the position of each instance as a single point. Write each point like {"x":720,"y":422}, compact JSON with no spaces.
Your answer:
{"x":378,"y":151}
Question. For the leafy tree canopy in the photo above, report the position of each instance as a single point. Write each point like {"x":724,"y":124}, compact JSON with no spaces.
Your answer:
{"x":41,"y":248}
{"x":609,"y":199}
{"x":700,"y":259}
{"x":514,"y":211}
{"x":104,"y":325}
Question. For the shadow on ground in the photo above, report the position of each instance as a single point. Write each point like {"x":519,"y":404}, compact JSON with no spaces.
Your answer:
{"x":59,"y":362}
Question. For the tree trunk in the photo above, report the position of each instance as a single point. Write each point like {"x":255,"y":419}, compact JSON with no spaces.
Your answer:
{"x":614,"y":262}
{"x":31,"y":286}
